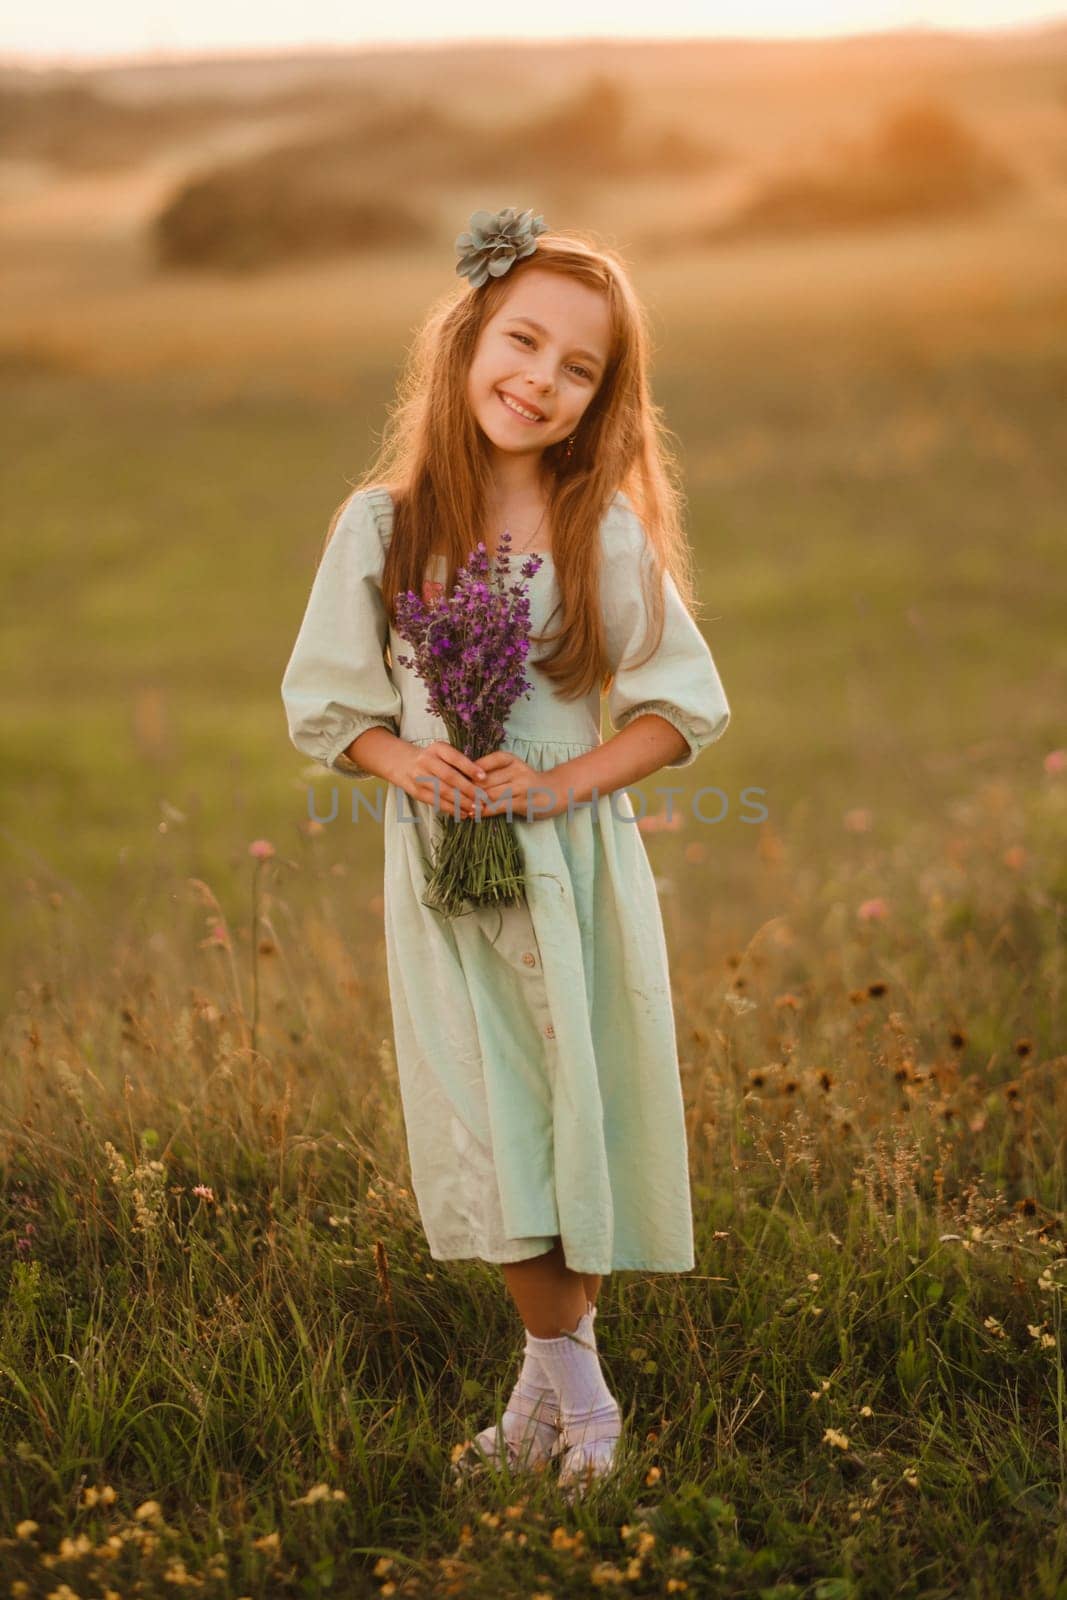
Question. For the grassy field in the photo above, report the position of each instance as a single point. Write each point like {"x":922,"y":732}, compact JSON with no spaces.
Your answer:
{"x":227,"y":1361}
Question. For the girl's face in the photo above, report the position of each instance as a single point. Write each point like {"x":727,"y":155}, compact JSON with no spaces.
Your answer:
{"x":546,"y":347}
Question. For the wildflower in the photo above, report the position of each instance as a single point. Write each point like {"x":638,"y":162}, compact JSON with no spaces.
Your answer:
{"x":653,"y":1475}
{"x":1045,"y":1339}
{"x":204,"y":1192}
{"x":995,"y":1326}
{"x":562,"y":1540}
{"x":261,"y":849}
{"x":1055,"y":761}
{"x":604,"y":1573}
{"x":858,"y":820}
{"x":676,"y":1586}
{"x":321,"y":1491}
{"x":383,"y":1565}
{"x":832,"y":1436}
{"x":661,"y":822}
{"x":875,"y":910}
{"x":116,"y":1163}
{"x":911,"y":1477}
{"x":865,"y":1411}
{"x":71,"y":1549}
{"x":148,"y":1511}
{"x":268,"y":1541}
{"x":27,"y":1529}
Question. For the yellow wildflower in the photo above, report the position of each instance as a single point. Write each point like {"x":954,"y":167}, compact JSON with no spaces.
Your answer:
{"x":604,"y":1573}
{"x":70,"y":1549}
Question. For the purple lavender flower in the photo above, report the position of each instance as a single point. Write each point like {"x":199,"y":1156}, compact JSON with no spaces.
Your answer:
{"x":470,"y":646}
{"x":469,"y":650}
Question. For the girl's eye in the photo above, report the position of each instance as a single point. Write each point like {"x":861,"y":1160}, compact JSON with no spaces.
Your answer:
{"x":583,"y":370}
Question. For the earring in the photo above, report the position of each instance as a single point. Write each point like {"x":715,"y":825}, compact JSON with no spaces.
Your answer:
{"x":570,"y":447}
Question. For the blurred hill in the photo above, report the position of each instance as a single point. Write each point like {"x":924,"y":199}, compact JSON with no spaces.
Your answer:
{"x":365,"y":184}
{"x":921,"y":163}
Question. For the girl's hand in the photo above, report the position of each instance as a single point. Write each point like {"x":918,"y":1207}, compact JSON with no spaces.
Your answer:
{"x":456,"y":773}
{"x":508,"y":777}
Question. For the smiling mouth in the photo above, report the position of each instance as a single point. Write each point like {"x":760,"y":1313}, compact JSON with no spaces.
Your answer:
{"x":512,"y":406}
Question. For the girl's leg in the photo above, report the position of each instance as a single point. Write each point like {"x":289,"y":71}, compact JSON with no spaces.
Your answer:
{"x":555,"y":1304}
{"x":549,"y":1296}
{"x":530,"y":1422}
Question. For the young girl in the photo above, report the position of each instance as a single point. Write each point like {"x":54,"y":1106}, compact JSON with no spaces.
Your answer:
{"x":535,"y":1044}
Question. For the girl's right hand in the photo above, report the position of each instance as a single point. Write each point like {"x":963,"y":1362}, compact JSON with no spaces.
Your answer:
{"x":456,"y":773}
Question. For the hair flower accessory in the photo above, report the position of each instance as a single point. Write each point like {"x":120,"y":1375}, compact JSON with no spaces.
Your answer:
{"x":495,"y":242}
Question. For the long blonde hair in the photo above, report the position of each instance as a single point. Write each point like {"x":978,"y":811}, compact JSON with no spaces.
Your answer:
{"x":434,"y":461}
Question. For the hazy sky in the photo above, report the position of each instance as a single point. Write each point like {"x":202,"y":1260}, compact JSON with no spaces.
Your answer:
{"x":70,"y":30}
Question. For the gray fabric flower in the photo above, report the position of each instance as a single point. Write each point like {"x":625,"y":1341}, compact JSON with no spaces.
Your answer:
{"x":495,"y":242}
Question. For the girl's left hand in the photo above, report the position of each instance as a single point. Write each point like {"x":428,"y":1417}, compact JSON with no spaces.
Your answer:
{"x":505,"y":772}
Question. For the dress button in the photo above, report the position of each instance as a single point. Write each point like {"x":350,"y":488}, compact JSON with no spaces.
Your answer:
{"x":528,"y":958}
{"x":550,"y":1032}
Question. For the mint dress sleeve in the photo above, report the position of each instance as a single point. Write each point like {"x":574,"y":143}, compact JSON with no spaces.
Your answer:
{"x":679,"y":681}
{"x":337,"y":683}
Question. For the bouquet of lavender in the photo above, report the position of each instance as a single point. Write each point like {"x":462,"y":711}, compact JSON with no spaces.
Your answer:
{"x":470,"y":647}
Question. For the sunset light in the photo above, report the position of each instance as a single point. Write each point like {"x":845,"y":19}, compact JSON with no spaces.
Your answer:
{"x":67,"y":32}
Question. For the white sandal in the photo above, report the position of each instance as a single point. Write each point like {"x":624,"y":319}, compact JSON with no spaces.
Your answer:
{"x":541,"y":1442}
{"x":588,"y":1460}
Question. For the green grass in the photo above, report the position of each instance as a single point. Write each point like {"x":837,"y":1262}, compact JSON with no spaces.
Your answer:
{"x":879,"y":548}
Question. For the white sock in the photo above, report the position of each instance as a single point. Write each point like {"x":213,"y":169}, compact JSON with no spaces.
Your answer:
{"x":532,"y":1404}
{"x":588,"y":1410}
{"x":534,"y":1394}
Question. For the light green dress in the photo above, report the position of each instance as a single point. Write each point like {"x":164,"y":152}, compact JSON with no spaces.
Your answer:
{"x":535,"y":1044}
